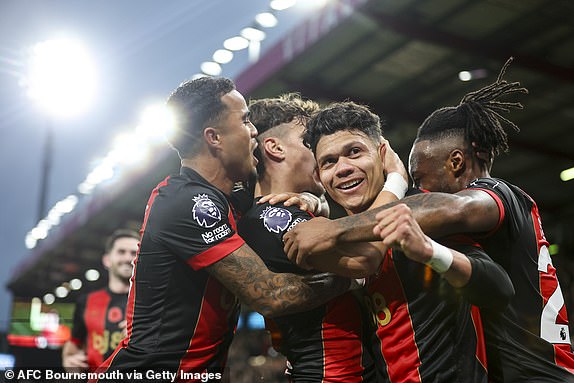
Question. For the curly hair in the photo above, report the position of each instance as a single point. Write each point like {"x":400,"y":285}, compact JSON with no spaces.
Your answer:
{"x":341,"y":116}
{"x":478,"y":117}
{"x":195,"y":104}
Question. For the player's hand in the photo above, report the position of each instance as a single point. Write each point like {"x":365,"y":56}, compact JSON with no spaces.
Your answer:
{"x":309,"y":238}
{"x":304,"y":201}
{"x":123,"y":326}
{"x":398,"y":228}
{"x":76,"y":362}
{"x":393,"y":163}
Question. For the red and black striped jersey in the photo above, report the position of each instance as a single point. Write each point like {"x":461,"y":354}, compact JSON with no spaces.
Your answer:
{"x":530,"y":340}
{"x":179,"y":318}
{"x":428,"y":331}
{"x":325,"y":344}
{"x":96,"y":324}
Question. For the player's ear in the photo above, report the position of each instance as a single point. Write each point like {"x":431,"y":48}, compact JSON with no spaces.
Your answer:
{"x":383,"y":150}
{"x":456,"y":162}
{"x":212,"y":137}
{"x":106,"y":261}
{"x":274,"y":149}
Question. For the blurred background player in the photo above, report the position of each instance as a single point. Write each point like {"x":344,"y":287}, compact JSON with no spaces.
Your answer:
{"x":99,"y":317}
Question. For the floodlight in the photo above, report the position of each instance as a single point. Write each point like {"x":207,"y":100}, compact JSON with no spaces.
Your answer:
{"x":253,"y":34}
{"x":61,"y":77}
{"x":222,"y":56}
{"x":266,"y":19}
{"x":236,"y":43}
{"x":280,"y":5}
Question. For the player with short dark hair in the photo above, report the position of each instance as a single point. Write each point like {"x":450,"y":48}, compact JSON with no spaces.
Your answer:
{"x":422,"y":292}
{"x":99,"y":317}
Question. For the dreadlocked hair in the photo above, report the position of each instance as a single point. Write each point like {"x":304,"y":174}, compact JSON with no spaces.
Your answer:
{"x":478,"y":117}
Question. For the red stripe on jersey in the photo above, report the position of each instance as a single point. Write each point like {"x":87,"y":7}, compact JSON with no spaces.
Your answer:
{"x":341,"y":333}
{"x":95,"y":319}
{"x":500,"y":209}
{"x":210,"y":329}
{"x":563,"y":356}
{"x":219,"y":251}
{"x":550,"y":290}
{"x":132,"y":294}
{"x":394,"y":325}
{"x":130,"y":305}
{"x":480,"y":342}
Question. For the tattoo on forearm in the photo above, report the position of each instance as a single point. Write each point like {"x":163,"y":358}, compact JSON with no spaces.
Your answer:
{"x":245,"y":274}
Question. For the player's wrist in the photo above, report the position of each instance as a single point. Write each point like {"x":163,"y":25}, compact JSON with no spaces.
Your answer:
{"x":441,"y":259}
{"x":396,"y":184}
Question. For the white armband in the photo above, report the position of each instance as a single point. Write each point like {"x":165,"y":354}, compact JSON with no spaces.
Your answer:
{"x":396,"y":184}
{"x":442,"y":257}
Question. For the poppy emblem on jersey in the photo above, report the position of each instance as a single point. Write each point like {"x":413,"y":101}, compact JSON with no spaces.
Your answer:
{"x":276,"y":219}
{"x":114,"y":315}
{"x":205,"y":212}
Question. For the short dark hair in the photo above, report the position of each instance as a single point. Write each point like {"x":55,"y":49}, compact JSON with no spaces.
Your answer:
{"x":341,"y":116}
{"x":268,"y":113}
{"x":120,"y":233}
{"x":477,"y":118}
{"x":195,"y":104}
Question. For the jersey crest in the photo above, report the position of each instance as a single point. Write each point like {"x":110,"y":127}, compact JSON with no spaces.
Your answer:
{"x":205,"y":212}
{"x":276,"y":219}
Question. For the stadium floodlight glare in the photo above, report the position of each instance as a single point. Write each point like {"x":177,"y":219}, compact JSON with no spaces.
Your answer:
{"x":61,"y":292}
{"x":30,"y":241}
{"x":236,"y":43}
{"x":156,"y":123}
{"x":61,"y":77}
{"x":92,"y":275}
{"x":567,"y":175}
{"x":266,"y":19}
{"x":129,"y":149}
{"x":67,"y":204}
{"x":222,"y":56}
{"x":75,"y":284}
{"x":49,"y":298}
{"x":253,"y":34}
{"x":464,"y":75}
{"x":39,"y":232}
{"x":280,"y":5}
{"x":474,"y":74}
{"x":211,"y":68}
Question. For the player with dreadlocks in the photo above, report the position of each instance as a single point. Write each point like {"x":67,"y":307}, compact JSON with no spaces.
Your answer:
{"x":452,"y":157}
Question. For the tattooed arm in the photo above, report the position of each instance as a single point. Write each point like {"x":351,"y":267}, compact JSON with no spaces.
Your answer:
{"x":272,"y":294}
{"x":438,"y":214}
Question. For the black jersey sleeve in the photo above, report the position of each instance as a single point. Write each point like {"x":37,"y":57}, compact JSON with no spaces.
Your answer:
{"x":489,"y":286}
{"x":263,"y":228}
{"x":197,"y":224}
{"x":79,"y":331}
{"x":510,"y":204}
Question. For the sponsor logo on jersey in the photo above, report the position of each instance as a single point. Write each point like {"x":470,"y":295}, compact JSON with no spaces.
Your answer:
{"x":275,"y":219}
{"x":205,"y":212}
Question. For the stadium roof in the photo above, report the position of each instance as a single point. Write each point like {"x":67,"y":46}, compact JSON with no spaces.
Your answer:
{"x":402,"y":58}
